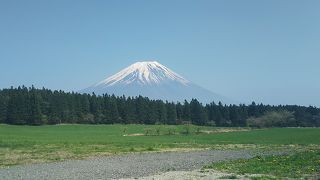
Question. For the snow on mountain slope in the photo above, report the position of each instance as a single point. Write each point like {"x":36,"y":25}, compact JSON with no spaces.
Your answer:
{"x":153,"y":80}
{"x":143,"y":73}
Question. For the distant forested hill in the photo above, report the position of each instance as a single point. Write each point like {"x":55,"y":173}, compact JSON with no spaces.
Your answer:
{"x":32,"y":106}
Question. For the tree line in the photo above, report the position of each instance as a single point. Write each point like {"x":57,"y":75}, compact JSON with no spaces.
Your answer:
{"x":31,"y":106}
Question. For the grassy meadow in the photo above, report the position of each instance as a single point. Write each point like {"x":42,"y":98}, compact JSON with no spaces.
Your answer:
{"x":296,"y":165}
{"x":35,"y":144}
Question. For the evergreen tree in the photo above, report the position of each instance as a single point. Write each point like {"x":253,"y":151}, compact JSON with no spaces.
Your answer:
{"x":152,"y":117}
{"x":142,"y":109}
{"x":243,"y":115}
{"x":121,"y":106}
{"x":54,"y":116}
{"x":114,"y":113}
{"x":171,"y":113}
{"x":84,"y":104}
{"x":35,"y":117}
{"x":234,"y":115}
{"x":198,"y":115}
{"x":130,"y":116}
{"x":161,"y":112}
{"x":3,"y":108}
{"x":17,"y":112}
{"x":179,"y":109}
{"x":96,"y":110}
{"x":253,"y":110}
{"x":186,"y":115}
{"x":221,"y":115}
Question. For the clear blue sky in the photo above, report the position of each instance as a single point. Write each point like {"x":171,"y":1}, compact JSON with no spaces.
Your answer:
{"x":267,"y":50}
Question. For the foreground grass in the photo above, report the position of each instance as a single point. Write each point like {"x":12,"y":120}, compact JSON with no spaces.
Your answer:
{"x":33,"y":144}
{"x":297,"y":165}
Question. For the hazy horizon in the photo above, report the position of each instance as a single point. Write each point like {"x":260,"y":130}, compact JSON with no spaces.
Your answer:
{"x":265,"y":51}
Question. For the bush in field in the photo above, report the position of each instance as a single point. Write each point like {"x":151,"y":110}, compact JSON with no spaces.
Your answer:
{"x":158,"y":131}
{"x":150,"y":149}
{"x":124,"y":130}
{"x":198,"y":130}
{"x":171,"y":131}
{"x":187,"y":129}
{"x":273,"y":119}
{"x":147,"y":131}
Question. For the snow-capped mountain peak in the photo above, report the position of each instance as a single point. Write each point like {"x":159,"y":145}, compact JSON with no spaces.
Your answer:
{"x":154,"y":80}
{"x":145,"y":72}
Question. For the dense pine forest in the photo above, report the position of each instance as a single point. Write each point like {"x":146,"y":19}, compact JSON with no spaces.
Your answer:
{"x":31,"y":106}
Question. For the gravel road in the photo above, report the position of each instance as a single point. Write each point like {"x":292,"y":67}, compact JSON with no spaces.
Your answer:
{"x":122,"y":166}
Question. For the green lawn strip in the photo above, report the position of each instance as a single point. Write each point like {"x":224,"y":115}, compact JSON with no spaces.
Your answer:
{"x":296,"y":165}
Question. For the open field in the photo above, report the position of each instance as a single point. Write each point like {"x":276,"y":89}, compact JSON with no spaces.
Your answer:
{"x":33,"y":144}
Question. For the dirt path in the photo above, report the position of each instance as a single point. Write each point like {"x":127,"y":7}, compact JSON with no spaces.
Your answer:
{"x":123,"y":166}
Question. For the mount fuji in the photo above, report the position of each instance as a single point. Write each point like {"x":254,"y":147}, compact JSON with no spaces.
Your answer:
{"x":153,"y":80}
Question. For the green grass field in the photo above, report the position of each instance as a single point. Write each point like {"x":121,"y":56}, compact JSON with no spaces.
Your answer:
{"x":304,"y":164}
{"x":32,"y":144}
